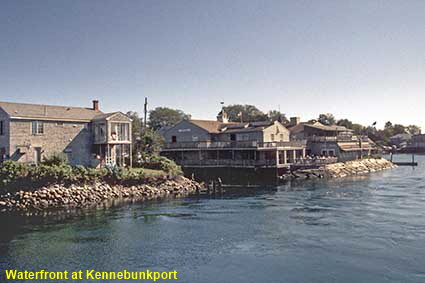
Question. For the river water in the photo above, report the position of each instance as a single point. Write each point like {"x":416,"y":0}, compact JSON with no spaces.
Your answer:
{"x":363,"y":229}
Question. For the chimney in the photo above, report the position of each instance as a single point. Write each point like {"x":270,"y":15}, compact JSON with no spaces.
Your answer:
{"x":294,"y":121}
{"x":96,"y":105}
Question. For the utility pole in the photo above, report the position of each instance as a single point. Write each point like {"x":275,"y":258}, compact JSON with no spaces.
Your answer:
{"x":145,"y":113}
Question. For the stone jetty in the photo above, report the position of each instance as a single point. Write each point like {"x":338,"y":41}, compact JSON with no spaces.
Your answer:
{"x":357,"y":167}
{"x":74,"y":196}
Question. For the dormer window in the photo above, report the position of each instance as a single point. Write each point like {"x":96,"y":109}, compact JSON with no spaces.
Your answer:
{"x":37,"y":127}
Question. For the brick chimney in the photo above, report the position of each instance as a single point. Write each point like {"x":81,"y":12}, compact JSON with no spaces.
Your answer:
{"x":96,"y":105}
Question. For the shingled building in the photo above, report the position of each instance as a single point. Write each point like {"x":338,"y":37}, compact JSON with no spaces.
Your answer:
{"x":29,"y":132}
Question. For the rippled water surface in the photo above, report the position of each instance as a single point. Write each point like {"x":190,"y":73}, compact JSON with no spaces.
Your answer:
{"x":363,"y":229}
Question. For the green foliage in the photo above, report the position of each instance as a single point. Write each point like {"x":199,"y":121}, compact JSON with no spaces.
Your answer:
{"x":149,"y":142}
{"x":136,"y":124}
{"x":345,"y":123}
{"x":413,"y":130}
{"x":250,"y":113}
{"x":159,"y":163}
{"x":163,"y":116}
{"x":11,"y":171}
{"x":14,"y":175}
{"x":55,"y":159}
{"x":327,"y":119}
{"x":275,"y":115}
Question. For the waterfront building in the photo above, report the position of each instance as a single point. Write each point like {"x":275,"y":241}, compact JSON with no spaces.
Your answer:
{"x":415,"y":145}
{"x":30,"y":132}
{"x":205,"y":143}
{"x":334,"y":141}
{"x":400,"y":140}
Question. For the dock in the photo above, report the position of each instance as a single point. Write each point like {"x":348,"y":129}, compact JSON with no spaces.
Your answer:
{"x":405,"y":163}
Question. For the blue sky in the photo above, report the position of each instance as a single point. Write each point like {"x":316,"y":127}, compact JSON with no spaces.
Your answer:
{"x":362,"y":60}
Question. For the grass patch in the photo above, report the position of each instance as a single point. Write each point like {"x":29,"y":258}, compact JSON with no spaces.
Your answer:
{"x":149,"y":172}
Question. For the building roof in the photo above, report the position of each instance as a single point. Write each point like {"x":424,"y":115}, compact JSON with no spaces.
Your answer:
{"x":401,"y":136}
{"x":48,"y":112}
{"x":215,"y":127}
{"x":317,"y":125}
{"x":211,"y":126}
{"x":333,"y":128}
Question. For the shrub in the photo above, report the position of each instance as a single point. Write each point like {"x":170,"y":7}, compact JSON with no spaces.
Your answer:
{"x":160,"y":163}
{"x":55,"y":159}
{"x":15,"y":175}
{"x":11,"y":171}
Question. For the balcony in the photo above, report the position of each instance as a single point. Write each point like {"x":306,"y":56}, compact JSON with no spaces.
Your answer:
{"x":233,"y":145}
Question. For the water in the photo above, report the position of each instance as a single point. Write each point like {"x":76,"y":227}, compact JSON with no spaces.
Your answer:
{"x":364,"y":229}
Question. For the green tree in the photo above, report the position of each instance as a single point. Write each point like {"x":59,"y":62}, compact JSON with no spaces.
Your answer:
{"x":398,"y":129}
{"x":346,"y":123}
{"x":358,"y":129}
{"x":275,"y":115}
{"x":163,"y":116}
{"x":327,"y":119}
{"x":249,"y":113}
{"x":413,"y":130}
{"x":136,"y":124}
{"x":149,"y":142}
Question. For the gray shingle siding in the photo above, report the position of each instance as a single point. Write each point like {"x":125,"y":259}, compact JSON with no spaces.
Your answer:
{"x":187,"y":132}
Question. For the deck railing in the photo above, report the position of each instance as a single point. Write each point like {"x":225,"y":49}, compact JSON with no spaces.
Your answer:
{"x":232,"y":144}
{"x":249,"y":162}
{"x":316,"y":161}
{"x":227,"y":162}
{"x":341,"y":138}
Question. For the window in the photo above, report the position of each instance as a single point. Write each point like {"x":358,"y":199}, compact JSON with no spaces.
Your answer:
{"x":1,"y":128}
{"x":120,"y":131}
{"x":173,"y":139}
{"x":281,"y":137}
{"x":232,"y":137}
{"x":272,"y":137}
{"x":37,"y":127}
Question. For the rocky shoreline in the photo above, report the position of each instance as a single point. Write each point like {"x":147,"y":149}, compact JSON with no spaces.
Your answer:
{"x":357,"y":167}
{"x":75,"y":196}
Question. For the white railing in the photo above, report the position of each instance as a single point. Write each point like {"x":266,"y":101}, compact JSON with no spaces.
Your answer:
{"x":232,"y":144}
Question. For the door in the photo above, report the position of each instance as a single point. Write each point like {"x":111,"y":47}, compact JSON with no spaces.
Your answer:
{"x":37,"y":155}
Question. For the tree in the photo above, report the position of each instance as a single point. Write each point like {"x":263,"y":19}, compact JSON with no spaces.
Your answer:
{"x":136,"y":124}
{"x":388,"y":125}
{"x":413,"y":130}
{"x":275,"y":115}
{"x":345,"y":123}
{"x":149,"y":142}
{"x":163,"y":116}
{"x":249,"y":113}
{"x":358,"y":129}
{"x":398,"y":129}
{"x":327,"y":119}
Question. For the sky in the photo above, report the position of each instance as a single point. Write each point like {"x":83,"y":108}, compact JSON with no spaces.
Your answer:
{"x":361,"y":60}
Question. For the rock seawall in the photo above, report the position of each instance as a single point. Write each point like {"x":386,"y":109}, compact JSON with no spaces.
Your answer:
{"x":74,"y":196}
{"x":357,"y":167}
